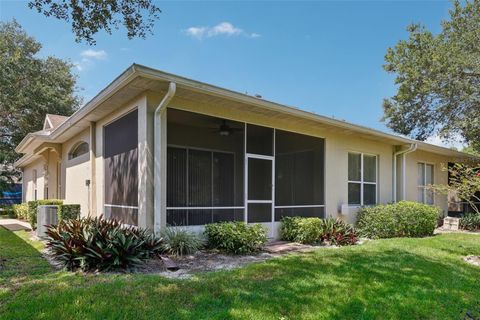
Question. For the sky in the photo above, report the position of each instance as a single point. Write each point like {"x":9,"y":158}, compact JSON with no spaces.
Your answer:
{"x":320,"y":56}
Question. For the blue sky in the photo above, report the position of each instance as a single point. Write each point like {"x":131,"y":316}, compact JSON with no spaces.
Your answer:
{"x":324,"y":57}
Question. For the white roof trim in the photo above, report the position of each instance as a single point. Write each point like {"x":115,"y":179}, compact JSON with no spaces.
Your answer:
{"x":136,"y":70}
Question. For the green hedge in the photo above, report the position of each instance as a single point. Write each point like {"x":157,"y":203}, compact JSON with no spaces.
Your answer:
{"x":402,"y":219}
{"x":316,"y":230}
{"x":32,"y":209}
{"x":21,"y":211}
{"x":68,"y":211}
{"x":8,"y":211}
{"x":235,"y":237}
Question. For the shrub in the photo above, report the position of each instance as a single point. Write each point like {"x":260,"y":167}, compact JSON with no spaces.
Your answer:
{"x":401,"y":219}
{"x":316,"y":230}
{"x":303,"y":230}
{"x":470,"y":221}
{"x":96,"y":244}
{"x":179,"y":241}
{"x":8,"y":211}
{"x":32,"y":209}
{"x":21,"y":211}
{"x":68,"y":211}
{"x":235,"y":237}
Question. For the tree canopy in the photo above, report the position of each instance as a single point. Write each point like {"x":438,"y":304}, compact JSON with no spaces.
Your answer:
{"x":30,"y":87}
{"x":90,"y":16}
{"x":438,"y":79}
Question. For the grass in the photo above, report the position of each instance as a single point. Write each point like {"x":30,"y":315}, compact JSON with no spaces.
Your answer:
{"x":383,"y":279}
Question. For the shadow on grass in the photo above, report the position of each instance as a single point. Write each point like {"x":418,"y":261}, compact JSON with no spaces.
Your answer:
{"x":19,"y":258}
{"x":382,"y":280}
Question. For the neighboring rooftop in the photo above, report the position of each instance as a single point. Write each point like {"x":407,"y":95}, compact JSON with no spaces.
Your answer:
{"x":53,"y":121}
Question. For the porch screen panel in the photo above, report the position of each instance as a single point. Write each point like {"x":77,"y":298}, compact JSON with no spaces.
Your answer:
{"x":223,"y":184}
{"x":120,"y":140}
{"x":197,"y":179}
{"x":177,"y":177}
{"x":299,"y":175}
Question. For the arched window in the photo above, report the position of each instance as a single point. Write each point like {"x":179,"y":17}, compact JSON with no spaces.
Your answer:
{"x":78,"y":150}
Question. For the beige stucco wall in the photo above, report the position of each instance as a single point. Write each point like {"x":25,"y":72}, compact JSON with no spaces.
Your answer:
{"x":337,"y":146}
{"x":75,"y":172}
{"x":28,"y":183}
{"x":440,"y":175}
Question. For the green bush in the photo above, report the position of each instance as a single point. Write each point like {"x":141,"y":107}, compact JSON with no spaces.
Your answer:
{"x":68,"y":211}
{"x":470,"y":221}
{"x":92,"y":244}
{"x":236,"y":237}
{"x":32,"y":209}
{"x":179,"y":242}
{"x":8,"y":211}
{"x":302,"y":230}
{"x":316,"y":230}
{"x":21,"y":211}
{"x":401,"y":219}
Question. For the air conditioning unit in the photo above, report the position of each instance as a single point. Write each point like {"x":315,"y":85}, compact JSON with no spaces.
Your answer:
{"x":344,"y":209}
{"x":46,"y":215}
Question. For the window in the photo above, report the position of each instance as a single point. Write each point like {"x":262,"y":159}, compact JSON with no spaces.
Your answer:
{"x":362,"y":179}
{"x":78,"y":150}
{"x":424,"y":179}
{"x":34,"y":184}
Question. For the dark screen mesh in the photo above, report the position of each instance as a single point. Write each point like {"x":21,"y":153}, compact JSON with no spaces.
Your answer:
{"x":120,"y":140}
{"x":299,"y":173}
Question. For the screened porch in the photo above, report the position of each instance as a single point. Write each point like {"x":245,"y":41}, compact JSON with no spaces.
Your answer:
{"x":223,"y":170}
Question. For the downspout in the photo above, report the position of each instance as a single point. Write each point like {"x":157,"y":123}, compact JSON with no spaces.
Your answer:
{"x":159,"y":158}
{"x":410,"y":149}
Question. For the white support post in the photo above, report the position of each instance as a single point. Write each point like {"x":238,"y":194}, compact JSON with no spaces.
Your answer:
{"x":160,"y":160}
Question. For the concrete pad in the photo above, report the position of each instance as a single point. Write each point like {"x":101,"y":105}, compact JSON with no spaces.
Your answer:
{"x":284,"y":246}
{"x":15,"y":225}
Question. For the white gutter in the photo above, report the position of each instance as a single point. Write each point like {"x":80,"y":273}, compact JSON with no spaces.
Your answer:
{"x":160,"y":158}
{"x":410,"y":149}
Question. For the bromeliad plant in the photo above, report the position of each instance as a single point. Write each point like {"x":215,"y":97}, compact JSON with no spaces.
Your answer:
{"x":96,"y":244}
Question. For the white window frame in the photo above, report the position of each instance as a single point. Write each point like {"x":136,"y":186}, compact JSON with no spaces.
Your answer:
{"x":361,"y":181}
{"x":424,"y":186}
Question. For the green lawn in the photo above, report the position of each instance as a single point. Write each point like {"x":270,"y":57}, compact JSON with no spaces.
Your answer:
{"x":384,"y":279}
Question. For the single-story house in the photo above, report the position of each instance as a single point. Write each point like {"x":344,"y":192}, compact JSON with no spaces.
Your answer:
{"x":154,"y":149}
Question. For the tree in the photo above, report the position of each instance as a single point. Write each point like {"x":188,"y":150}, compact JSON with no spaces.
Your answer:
{"x":464,"y":183}
{"x":438,"y":79}
{"x":30,"y":87}
{"x":90,"y":16}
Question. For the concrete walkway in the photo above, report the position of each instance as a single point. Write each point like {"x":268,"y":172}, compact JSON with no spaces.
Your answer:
{"x":15,"y":224}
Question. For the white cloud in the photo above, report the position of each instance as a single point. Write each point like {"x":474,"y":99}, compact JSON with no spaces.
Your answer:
{"x":94,"y":54}
{"x":88,"y":58}
{"x":223,"y":28}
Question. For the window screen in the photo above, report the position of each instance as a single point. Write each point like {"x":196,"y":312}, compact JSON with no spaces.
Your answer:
{"x":299,"y":175}
{"x":206,"y":179}
{"x":120,"y":140}
{"x":259,"y":140}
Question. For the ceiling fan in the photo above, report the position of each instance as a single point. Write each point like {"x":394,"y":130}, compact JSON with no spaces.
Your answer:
{"x":225,"y":130}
